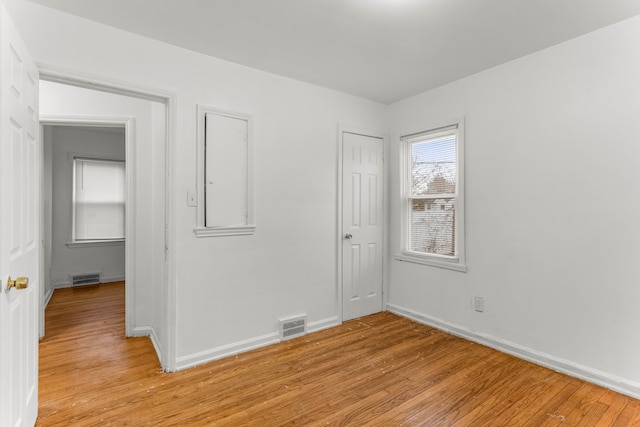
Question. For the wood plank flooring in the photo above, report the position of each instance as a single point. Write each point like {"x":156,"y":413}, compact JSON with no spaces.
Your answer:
{"x":381,"y":370}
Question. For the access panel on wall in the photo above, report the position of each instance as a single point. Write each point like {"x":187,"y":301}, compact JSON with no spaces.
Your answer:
{"x":225,"y":174}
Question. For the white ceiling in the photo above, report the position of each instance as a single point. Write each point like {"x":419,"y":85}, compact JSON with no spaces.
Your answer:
{"x":383,"y":50}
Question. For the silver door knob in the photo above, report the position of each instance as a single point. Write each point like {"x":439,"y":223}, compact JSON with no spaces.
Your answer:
{"x":348,"y":236}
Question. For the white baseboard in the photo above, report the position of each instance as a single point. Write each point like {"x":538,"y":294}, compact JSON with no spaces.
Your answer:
{"x":47,"y":297}
{"x":319,"y":325}
{"x":141,"y":331}
{"x":108,"y":279}
{"x":226,"y":350}
{"x":148,"y":331}
{"x":200,"y":358}
{"x":111,"y":279}
{"x":157,"y":346}
{"x":61,"y":285}
{"x":568,"y":367}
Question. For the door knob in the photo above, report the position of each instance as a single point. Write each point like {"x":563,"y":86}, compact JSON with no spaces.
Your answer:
{"x":348,"y":236}
{"x":19,"y":283}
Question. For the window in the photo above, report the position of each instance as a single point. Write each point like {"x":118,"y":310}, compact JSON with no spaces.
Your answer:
{"x":98,"y":200}
{"x":433,"y":202}
{"x":225,"y":187}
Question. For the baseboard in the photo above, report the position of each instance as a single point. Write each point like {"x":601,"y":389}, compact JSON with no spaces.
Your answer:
{"x":319,"y":325}
{"x":156,"y":345}
{"x":142,"y":331}
{"x":223,"y":351}
{"x":148,"y":331}
{"x":47,"y":297}
{"x":61,"y":285}
{"x":200,"y":358}
{"x":568,"y":367}
{"x":105,"y":280}
{"x":111,"y":279}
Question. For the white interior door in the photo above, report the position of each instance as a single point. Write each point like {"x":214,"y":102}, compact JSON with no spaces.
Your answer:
{"x":362,"y":225}
{"x":20,"y":246}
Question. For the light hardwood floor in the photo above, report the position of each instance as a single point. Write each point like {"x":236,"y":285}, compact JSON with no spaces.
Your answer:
{"x":381,"y":370}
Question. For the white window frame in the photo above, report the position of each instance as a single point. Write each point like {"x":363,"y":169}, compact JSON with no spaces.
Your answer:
{"x":456,"y":262}
{"x":73,"y":242}
{"x":201,"y":229}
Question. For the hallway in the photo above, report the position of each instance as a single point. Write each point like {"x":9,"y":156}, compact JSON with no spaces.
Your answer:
{"x":87,"y":366}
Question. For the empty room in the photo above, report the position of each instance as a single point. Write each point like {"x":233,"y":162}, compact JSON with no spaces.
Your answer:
{"x":338,"y":212}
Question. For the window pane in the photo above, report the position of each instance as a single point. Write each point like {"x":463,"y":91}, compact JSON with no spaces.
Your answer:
{"x":433,"y":190}
{"x":99,"y":200}
{"x":433,"y":166}
{"x":432,"y":226}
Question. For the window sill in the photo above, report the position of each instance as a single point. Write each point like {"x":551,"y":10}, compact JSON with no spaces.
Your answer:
{"x":449,"y":264}
{"x":95,"y":243}
{"x":242,"y":230}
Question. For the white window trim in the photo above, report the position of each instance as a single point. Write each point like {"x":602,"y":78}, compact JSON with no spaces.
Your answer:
{"x":200,"y":229}
{"x":457,"y":262}
{"x":73,"y":243}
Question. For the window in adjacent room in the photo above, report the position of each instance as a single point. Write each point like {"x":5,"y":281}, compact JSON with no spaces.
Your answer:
{"x":225,"y":187}
{"x":99,"y":200}
{"x":433,"y":196}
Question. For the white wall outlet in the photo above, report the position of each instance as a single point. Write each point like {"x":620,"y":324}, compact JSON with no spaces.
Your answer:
{"x":478,"y":304}
{"x":192,"y":199}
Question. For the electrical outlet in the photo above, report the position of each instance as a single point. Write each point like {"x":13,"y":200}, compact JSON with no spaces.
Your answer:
{"x":478,"y":304}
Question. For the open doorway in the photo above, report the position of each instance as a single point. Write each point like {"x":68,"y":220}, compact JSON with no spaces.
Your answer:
{"x":75,"y":115}
{"x":84,"y":198}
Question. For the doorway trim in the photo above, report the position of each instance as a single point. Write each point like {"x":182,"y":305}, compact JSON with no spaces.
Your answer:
{"x":340,"y":232}
{"x":169,"y":99}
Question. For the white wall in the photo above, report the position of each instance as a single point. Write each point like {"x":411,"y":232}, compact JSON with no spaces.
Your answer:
{"x":553,"y":238}
{"x":64,"y":142}
{"x":58,"y":100}
{"x":230,"y":291}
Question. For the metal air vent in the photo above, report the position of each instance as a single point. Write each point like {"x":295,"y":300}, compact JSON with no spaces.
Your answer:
{"x":85,"y":279}
{"x":293,"y":327}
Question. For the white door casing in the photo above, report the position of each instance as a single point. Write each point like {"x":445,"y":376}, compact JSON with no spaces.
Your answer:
{"x":362,"y":224}
{"x":20,"y":247}
{"x":166,"y":341}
